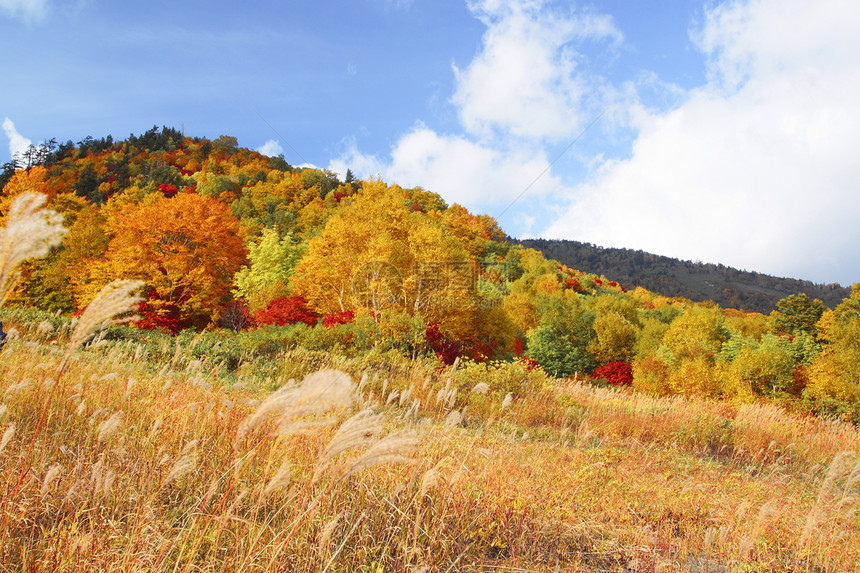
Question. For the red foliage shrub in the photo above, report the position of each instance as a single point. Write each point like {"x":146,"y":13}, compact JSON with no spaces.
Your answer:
{"x":445,"y":349}
{"x":168,"y":190}
{"x":530,"y":363}
{"x":518,"y":348}
{"x":158,"y":314}
{"x":283,"y":311}
{"x":344,"y":317}
{"x":573,"y":284}
{"x":616,"y":373}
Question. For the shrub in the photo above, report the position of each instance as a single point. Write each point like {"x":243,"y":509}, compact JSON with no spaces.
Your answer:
{"x":697,"y":376}
{"x":344,"y":317}
{"x":284,"y":311}
{"x":616,"y":373}
{"x":501,"y":376}
{"x":651,"y":375}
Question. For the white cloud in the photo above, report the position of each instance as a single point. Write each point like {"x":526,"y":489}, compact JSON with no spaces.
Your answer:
{"x":26,"y":10}
{"x":361,"y":164}
{"x":757,"y":169}
{"x":524,"y":81}
{"x":465,"y":171}
{"x":271,"y":148}
{"x":520,"y":89}
{"x":17,"y":142}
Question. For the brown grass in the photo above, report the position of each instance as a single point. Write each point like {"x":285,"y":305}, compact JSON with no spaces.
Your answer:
{"x":108,"y":466}
{"x":149,"y":476}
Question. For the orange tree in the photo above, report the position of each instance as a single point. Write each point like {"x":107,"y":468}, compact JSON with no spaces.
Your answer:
{"x":186,"y":249}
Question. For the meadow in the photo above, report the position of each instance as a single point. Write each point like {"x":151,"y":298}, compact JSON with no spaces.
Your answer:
{"x":125,"y":456}
{"x":296,"y":448}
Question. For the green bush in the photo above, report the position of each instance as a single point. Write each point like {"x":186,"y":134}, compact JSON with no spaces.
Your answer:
{"x":556,"y":354}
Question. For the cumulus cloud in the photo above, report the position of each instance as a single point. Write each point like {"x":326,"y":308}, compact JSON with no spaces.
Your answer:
{"x":522,"y":88}
{"x":272,"y":148}
{"x":524,"y":81}
{"x":17,"y":142}
{"x":757,"y":168}
{"x":26,"y":10}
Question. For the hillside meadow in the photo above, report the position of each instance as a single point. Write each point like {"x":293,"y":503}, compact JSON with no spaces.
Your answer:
{"x":218,"y":362}
{"x":129,"y":461}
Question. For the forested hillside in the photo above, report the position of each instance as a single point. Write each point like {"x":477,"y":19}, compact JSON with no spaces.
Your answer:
{"x":728,"y":287}
{"x":258,"y":256}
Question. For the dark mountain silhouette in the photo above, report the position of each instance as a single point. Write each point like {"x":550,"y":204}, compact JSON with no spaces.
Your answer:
{"x":728,"y":287}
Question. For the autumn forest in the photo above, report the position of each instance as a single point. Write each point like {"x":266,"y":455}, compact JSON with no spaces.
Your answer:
{"x":211,"y":360}
{"x":226,"y":239}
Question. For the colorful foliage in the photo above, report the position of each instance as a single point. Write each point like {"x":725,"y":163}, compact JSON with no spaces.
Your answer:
{"x":284,"y":311}
{"x":616,"y":373}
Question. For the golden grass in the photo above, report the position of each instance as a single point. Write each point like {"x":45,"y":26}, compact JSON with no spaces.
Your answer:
{"x":109,"y":464}
{"x":134,"y":471}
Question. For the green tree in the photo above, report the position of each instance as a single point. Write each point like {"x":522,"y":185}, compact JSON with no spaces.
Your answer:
{"x":556,"y":354}
{"x":767,"y":367}
{"x":272,"y":260}
{"x":796,"y":313}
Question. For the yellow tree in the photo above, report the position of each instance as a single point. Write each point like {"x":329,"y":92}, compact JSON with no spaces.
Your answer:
{"x":32,"y":180}
{"x":369,"y":252}
{"x":615,"y":338}
{"x":377,"y":253}
{"x":834,"y":373}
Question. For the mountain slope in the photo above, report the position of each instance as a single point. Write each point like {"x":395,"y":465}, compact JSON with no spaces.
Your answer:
{"x":696,"y":281}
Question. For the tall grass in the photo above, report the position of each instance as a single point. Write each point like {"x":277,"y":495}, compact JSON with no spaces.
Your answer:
{"x":120,"y":456}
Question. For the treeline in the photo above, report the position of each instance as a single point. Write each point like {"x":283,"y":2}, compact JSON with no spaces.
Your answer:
{"x":700,"y":282}
{"x":226,"y":239}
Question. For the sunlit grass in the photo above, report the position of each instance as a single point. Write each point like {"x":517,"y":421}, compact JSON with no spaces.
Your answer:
{"x":138,"y":467}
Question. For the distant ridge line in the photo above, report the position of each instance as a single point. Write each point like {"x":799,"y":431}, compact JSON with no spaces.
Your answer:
{"x":699,"y":282}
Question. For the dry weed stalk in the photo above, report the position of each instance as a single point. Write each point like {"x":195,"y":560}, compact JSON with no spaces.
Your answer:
{"x":113,"y":300}
{"x":30,"y":232}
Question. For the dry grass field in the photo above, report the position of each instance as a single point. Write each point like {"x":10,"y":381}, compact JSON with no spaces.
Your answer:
{"x":119,"y":456}
{"x":116,"y":465}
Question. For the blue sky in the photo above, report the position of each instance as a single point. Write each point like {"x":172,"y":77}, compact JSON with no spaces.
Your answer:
{"x":725,"y":131}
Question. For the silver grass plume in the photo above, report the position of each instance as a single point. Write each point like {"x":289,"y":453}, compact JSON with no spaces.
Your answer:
{"x":318,"y":393}
{"x":358,"y":431}
{"x":30,"y":232}
{"x":113,"y":300}
{"x":390,"y":449}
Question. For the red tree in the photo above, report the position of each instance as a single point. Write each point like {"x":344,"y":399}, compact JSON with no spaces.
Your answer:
{"x":283,"y":311}
{"x":616,"y":373}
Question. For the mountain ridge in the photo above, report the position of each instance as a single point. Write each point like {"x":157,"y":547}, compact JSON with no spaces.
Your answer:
{"x":697,"y":281}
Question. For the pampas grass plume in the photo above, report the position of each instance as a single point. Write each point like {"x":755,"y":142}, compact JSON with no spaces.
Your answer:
{"x":109,"y":427}
{"x":30,"y":232}
{"x":7,"y":437}
{"x":113,"y":300}
{"x":391,"y":449}
{"x":318,"y":393}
